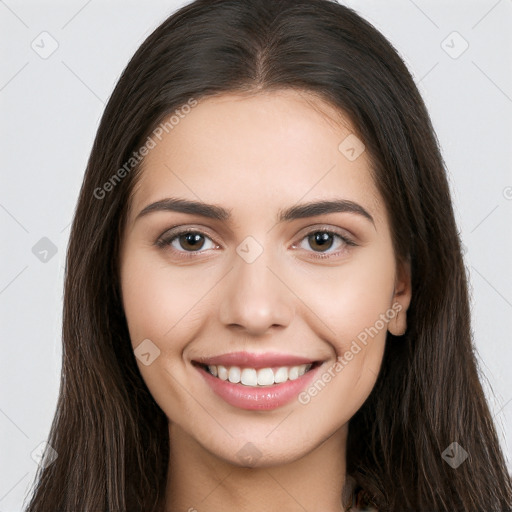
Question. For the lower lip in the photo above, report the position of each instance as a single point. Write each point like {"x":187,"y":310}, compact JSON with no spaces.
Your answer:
{"x":258,"y":398}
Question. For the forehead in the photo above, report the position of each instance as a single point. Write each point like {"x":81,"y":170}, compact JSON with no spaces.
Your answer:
{"x":257,"y":152}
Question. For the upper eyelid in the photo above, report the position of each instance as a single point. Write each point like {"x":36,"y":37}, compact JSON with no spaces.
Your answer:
{"x":185,"y":228}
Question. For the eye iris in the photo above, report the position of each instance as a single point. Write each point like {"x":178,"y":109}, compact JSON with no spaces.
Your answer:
{"x":321,"y":239}
{"x":193,"y":239}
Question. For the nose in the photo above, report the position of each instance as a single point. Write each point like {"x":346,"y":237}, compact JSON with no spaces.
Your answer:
{"x":255,"y":297}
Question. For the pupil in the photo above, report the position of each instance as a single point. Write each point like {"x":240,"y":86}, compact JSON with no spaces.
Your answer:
{"x":321,"y":239}
{"x":193,"y":239}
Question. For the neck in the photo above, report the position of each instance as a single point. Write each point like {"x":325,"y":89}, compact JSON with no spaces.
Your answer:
{"x":200,"y":481}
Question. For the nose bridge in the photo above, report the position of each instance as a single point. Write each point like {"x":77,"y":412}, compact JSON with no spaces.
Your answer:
{"x":254,"y":297}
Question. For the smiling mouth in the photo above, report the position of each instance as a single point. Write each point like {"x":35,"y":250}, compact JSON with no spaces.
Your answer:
{"x":261,"y":377}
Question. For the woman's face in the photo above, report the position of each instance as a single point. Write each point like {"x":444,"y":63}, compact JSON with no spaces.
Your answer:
{"x":251,"y":284}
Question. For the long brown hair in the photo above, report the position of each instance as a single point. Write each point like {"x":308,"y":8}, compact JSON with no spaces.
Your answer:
{"x":110,"y":435}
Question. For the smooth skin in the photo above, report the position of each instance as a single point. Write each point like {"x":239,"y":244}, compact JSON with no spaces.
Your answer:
{"x":254,"y":155}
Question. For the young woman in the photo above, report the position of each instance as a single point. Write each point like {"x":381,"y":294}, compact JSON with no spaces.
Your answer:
{"x":266,"y":305}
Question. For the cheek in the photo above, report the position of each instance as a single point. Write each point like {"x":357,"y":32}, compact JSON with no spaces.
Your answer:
{"x":356,"y":307}
{"x":352,"y":297}
{"x":352,"y":307}
{"x":158,"y":304}
{"x":157,"y":299}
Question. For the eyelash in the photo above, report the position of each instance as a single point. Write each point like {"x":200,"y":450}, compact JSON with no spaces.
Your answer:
{"x":165,"y":242}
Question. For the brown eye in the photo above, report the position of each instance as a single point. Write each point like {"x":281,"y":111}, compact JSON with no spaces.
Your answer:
{"x":320,"y":240}
{"x":191,"y":241}
{"x":186,"y":241}
{"x":324,"y":243}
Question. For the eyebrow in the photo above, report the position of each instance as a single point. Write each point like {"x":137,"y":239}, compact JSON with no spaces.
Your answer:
{"x":215,"y":212}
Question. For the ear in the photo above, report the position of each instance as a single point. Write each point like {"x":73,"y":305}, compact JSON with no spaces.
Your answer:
{"x":401,"y":298}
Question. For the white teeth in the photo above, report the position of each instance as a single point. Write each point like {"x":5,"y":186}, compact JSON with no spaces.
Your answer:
{"x":222,"y":371}
{"x":265,"y":377}
{"x":281,"y":375}
{"x":261,"y":377}
{"x":249,"y":377}
{"x":234,"y":375}
{"x":293,"y":373}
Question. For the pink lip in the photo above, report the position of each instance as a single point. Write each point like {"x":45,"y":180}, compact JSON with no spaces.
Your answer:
{"x":258,"y":398}
{"x":257,"y":361}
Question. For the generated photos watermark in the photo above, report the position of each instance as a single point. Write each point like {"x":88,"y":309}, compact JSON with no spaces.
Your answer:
{"x":137,"y":156}
{"x":342,"y":361}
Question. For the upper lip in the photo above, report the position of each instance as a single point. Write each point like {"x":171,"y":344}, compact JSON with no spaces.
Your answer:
{"x":255,"y":360}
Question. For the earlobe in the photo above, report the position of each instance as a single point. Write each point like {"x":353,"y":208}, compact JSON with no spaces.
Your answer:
{"x":398,"y":325}
{"x":401,"y":299}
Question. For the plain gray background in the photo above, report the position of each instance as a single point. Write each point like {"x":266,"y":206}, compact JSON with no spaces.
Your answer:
{"x":51,"y":104}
